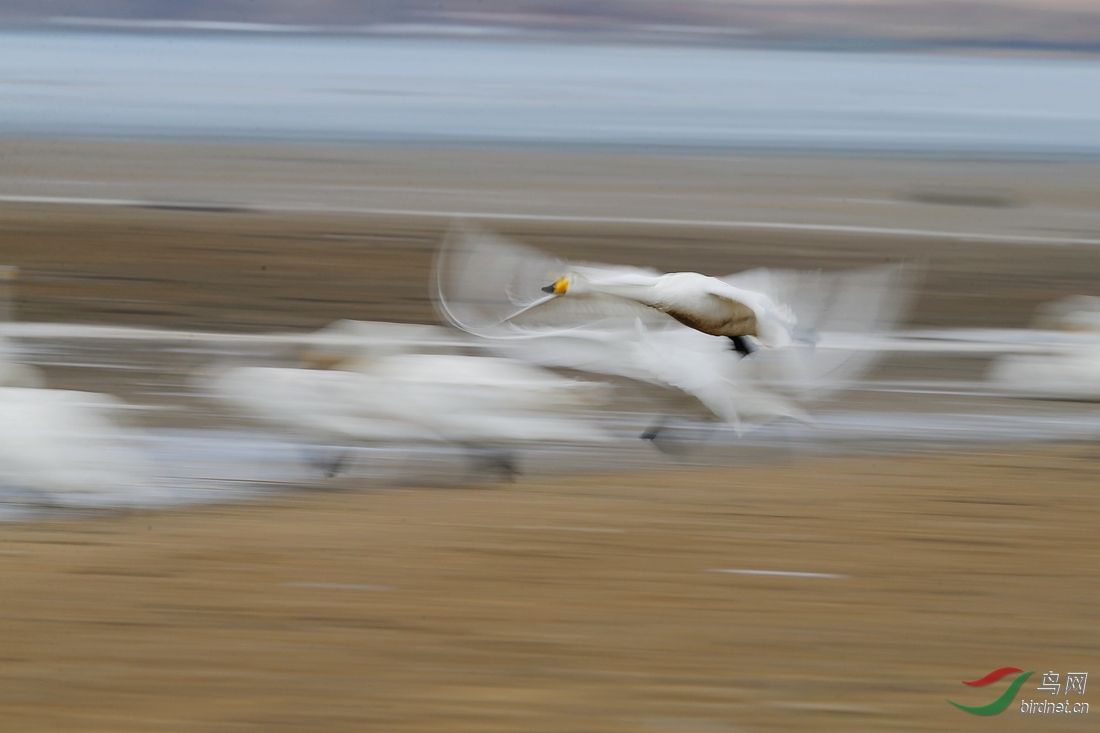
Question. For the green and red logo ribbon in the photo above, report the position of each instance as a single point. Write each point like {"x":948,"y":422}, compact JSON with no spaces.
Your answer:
{"x":1001,"y":702}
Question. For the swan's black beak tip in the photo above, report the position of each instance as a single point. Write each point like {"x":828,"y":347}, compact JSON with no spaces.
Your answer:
{"x":549,"y":289}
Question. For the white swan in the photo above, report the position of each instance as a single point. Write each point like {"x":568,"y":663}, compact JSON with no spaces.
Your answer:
{"x":657,"y":328}
{"x":478,"y":402}
{"x":1069,"y":370}
{"x":1069,"y":375}
{"x":420,"y":397}
{"x":64,"y":444}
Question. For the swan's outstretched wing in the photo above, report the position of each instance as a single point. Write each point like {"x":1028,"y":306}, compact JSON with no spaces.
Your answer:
{"x":675,"y":356}
{"x":484,"y":281}
{"x":707,"y":369}
{"x":861,"y":301}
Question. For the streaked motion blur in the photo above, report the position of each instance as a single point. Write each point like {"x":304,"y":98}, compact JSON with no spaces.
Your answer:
{"x":473,"y":365}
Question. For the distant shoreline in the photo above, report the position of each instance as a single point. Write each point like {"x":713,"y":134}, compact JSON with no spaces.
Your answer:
{"x":507,"y":93}
{"x":628,"y":34}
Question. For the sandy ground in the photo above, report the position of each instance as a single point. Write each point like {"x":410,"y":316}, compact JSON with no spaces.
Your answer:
{"x":577,"y":604}
{"x":563,"y":602}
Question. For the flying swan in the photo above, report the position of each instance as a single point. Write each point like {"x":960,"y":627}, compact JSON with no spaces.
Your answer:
{"x":673,"y":330}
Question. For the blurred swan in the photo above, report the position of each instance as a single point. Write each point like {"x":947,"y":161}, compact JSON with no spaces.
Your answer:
{"x":1071,"y":369}
{"x":345,"y":342}
{"x":661,"y":329}
{"x":1075,"y":313}
{"x":1073,"y":375}
{"x":706,"y":304}
{"x":479,"y":402}
{"x":63,"y":445}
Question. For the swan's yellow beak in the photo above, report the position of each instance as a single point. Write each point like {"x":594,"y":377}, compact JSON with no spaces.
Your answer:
{"x":558,"y":288}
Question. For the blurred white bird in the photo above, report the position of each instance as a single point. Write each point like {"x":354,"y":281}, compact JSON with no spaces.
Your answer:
{"x":1068,"y":375}
{"x":1070,"y":370}
{"x":63,"y":445}
{"x":703,"y":303}
{"x":478,"y":402}
{"x":661,"y":328}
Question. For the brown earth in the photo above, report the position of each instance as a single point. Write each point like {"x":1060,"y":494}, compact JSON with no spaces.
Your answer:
{"x":248,"y":271}
{"x":573,"y":604}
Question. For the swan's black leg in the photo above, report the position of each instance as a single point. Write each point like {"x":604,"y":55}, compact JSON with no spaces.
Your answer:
{"x":674,"y":440}
{"x":741,"y":346}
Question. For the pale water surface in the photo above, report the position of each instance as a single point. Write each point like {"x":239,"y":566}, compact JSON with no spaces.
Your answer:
{"x":345,"y":89}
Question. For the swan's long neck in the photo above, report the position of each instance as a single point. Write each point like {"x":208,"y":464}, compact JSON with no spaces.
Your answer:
{"x":644,"y":294}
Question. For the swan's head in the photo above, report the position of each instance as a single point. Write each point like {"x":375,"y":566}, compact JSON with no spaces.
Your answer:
{"x":570,"y":282}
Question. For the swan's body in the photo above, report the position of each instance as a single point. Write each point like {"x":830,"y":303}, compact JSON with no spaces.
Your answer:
{"x":418,"y":398}
{"x":63,"y":443}
{"x":66,"y":445}
{"x":704,"y":303}
{"x":1070,"y":371}
{"x":1068,"y":375}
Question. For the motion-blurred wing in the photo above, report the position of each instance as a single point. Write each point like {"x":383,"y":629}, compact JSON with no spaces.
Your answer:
{"x":699,"y":365}
{"x":485,"y":282}
{"x":707,"y":369}
{"x":604,"y":347}
{"x":854,"y":302}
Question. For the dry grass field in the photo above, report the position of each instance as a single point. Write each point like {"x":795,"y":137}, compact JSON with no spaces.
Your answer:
{"x":578,"y":604}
